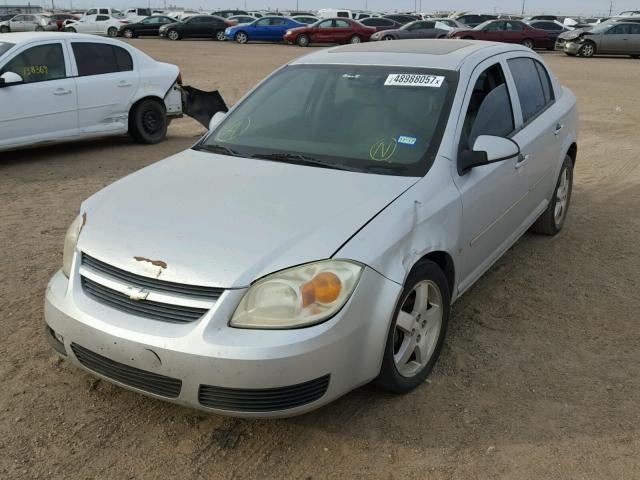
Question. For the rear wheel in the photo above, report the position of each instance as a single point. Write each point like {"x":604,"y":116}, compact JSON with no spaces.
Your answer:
{"x":220,"y":36}
{"x":587,"y":50}
{"x":417,"y":330}
{"x":634,"y":56}
{"x":70,"y":30}
{"x":112,"y":32}
{"x":527,"y":42}
{"x":173,"y":35}
{"x":355,"y":39}
{"x":553,"y":218}
{"x":128,"y":33}
{"x":148,"y":122}
{"x":242,"y":38}
{"x":303,"y":40}
{"x":388,"y":38}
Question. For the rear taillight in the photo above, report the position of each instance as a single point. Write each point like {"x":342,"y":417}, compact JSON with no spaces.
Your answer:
{"x":179,"y":79}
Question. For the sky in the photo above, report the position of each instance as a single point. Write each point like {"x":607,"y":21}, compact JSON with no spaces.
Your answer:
{"x":563,"y":7}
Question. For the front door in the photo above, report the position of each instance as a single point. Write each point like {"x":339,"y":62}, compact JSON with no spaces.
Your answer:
{"x":492,"y":194}
{"x":616,"y":39}
{"x":44,"y":107}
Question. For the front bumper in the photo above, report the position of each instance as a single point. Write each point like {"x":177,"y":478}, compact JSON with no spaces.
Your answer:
{"x":213,"y":362}
{"x":571,"y":47}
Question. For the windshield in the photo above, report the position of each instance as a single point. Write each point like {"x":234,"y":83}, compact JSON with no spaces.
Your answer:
{"x":386,"y":120}
{"x":483,"y":25}
{"x":5,"y":47}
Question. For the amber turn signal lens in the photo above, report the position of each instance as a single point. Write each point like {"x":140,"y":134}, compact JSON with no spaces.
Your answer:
{"x":323,"y":288}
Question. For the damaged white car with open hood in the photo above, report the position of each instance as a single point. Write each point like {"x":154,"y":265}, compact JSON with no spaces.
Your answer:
{"x":58,"y":87}
{"x":314,"y":240}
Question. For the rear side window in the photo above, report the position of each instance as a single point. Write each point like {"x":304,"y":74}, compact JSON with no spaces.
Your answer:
{"x":532,"y":95}
{"x":102,"y":18}
{"x":100,"y":59}
{"x":38,"y":64}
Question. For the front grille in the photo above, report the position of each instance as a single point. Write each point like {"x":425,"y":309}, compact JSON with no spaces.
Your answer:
{"x":133,"y":377}
{"x":145,"y":308}
{"x":211,"y":293}
{"x":264,"y":399}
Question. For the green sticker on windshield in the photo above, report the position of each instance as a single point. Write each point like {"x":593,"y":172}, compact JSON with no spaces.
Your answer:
{"x":383,"y":149}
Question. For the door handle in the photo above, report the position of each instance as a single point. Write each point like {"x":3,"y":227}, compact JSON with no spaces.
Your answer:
{"x":61,"y":91}
{"x":522,"y":159}
{"x":124,"y":84}
{"x":559,"y":127}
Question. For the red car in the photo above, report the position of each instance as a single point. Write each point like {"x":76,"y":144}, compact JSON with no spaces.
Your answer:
{"x":331,"y":30}
{"x":507,"y":31}
{"x":61,"y":17}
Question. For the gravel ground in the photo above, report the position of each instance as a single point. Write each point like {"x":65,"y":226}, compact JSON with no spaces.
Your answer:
{"x":539,"y":377}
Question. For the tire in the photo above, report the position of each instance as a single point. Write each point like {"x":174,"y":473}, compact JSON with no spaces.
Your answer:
{"x":70,"y":30}
{"x":148,"y":122}
{"x":241,"y":38}
{"x":4,"y":29}
{"x":39,"y":28}
{"x":634,"y":56}
{"x":128,"y":33}
{"x":388,"y":38}
{"x":527,"y":42}
{"x":173,"y":35}
{"x":410,"y":326}
{"x":220,"y":36}
{"x":355,"y":40}
{"x":552,"y":219}
{"x":112,"y":31}
{"x":303,"y":40}
{"x":468,"y":38}
{"x":587,"y":50}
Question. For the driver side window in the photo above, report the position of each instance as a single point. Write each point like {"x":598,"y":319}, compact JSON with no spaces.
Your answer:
{"x":326,"y":24}
{"x":489,"y":111}
{"x":38,"y":64}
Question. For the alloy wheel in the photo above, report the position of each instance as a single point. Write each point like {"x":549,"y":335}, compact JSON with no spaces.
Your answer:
{"x":173,"y":35}
{"x":562,"y":198}
{"x":241,"y":37}
{"x":128,"y":33}
{"x":528,"y":43}
{"x":220,"y":36}
{"x":417,"y":328}
{"x":355,"y":39}
{"x":587,"y":50}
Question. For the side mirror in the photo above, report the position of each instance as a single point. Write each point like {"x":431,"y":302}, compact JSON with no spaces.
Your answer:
{"x":487,"y":149}
{"x":216,"y":119}
{"x":10,"y":78}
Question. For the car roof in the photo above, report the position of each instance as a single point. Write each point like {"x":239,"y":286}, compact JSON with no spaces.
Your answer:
{"x":27,"y":37}
{"x":446,"y":54}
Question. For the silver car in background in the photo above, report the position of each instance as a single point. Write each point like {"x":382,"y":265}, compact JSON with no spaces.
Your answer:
{"x":28,"y":23}
{"x":315,"y":239}
{"x":607,"y":38}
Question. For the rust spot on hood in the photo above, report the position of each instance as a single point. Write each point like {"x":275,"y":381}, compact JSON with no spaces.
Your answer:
{"x":157,"y":263}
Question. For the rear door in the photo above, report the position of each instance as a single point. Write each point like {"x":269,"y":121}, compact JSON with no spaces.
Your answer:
{"x":102,"y":24}
{"x":342,"y":31}
{"x":634,"y":39}
{"x":616,"y":39}
{"x":44,"y":107}
{"x":538,"y":131}
{"x":107,"y":82}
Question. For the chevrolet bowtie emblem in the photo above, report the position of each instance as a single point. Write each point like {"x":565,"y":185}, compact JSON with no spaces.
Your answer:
{"x":135,"y":293}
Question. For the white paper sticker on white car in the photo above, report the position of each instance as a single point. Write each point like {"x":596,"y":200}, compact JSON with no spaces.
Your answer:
{"x":411,"y":80}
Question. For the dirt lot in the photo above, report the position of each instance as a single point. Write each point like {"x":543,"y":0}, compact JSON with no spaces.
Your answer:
{"x":540,"y":377}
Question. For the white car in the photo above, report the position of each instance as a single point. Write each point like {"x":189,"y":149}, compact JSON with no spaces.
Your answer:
{"x":28,"y":23}
{"x":314,"y":240}
{"x":59,"y":86}
{"x":95,"y":24}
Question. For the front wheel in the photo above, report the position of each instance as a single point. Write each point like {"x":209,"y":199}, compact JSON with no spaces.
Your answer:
{"x":70,"y":30}
{"x":587,"y":50}
{"x":220,"y":36}
{"x":417,"y":330}
{"x":355,"y":39}
{"x":388,"y":38}
{"x":128,"y":33}
{"x":112,"y":32}
{"x":553,"y":218}
{"x":148,"y":122}
{"x":173,"y":35}
{"x":303,"y":41}
{"x":242,"y":38}
{"x":527,"y":42}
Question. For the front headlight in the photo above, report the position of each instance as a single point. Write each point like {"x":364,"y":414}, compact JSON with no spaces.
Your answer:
{"x":70,"y":242}
{"x":298,"y":297}
{"x":288,"y":32}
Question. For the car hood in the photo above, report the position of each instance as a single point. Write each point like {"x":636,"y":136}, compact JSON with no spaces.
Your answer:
{"x":215,"y":220}
{"x":572,"y":34}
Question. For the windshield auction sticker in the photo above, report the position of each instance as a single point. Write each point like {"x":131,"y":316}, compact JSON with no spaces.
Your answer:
{"x":410,"y":80}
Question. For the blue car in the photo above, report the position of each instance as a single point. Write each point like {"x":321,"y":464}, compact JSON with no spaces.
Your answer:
{"x":266,"y":29}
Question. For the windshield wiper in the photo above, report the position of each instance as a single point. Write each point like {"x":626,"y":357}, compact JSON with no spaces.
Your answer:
{"x":298,"y":159}
{"x":217,"y":149}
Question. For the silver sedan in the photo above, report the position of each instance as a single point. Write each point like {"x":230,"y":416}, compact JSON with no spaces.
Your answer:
{"x":315,"y":239}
